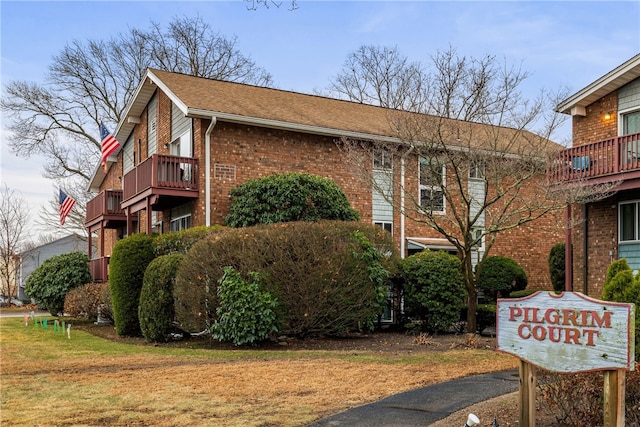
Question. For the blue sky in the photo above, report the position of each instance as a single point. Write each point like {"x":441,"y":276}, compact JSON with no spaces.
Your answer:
{"x":561,"y":43}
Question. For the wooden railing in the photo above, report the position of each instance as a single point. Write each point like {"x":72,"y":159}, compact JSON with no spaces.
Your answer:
{"x":99,"y":268}
{"x":107,"y":202}
{"x":597,"y":159}
{"x":162,"y":171}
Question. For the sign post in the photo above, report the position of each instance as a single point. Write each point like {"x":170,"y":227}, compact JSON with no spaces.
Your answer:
{"x":568,"y":333}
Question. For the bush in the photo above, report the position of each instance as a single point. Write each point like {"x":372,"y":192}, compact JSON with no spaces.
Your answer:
{"x":523,"y":293}
{"x":129,"y":260}
{"x":485,"y":316}
{"x":499,"y":276}
{"x":577,"y":399}
{"x":246,"y":314}
{"x":434,"y":289}
{"x":557,"y":266}
{"x":621,"y":286}
{"x":156,"y":312}
{"x":85,"y":301}
{"x":327,"y":278}
{"x":50,"y":282}
{"x":288,"y":197}
{"x":181,"y":241}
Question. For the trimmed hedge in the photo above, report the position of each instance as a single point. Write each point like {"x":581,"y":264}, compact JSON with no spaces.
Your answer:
{"x":434,"y":290}
{"x":156,"y":312}
{"x":329,"y":276}
{"x":129,"y":260}
{"x":288,"y":197}
{"x":179,"y":242}
{"x":500,"y":276}
{"x":86,"y":301}
{"x":50,"y":282}
{"x":557,"y":266}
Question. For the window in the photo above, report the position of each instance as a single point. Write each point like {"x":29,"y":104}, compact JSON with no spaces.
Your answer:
{"x":387,"y":226}
{"x":628,"y":221}
{"x":431,"y":180}
{"x":181,"y":223}
{"x":476,"y":170}
{"x":382,"y":160}
{"x":631,"y":122}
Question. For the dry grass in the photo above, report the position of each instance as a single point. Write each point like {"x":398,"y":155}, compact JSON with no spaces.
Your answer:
{"x":47,"y":379}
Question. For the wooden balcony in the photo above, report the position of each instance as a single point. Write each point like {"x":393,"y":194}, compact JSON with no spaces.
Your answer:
{"x":609,"y":161}
{"x":162,"y":182}
{"x":99,"y":268}
{"x":104,"y":209}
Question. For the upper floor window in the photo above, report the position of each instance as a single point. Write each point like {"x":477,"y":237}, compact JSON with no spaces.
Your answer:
{"x":631,"y":122}
{"x":476,"y":170}
{"x":431,"y":178}
{"x":629,"y":221}
{"x":382,"y":160}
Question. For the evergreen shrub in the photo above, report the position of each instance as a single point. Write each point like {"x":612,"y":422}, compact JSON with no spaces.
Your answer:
{"x":129,"y":260}
{"x":49,"y":283}
{"x":557,"y":267}
{"x":329,"y":277}
{"x":434,"y":290}
{"x":181,"y":241}
{"x":85,"y":301}
{"x":500,"y":276}
{"x":156,"y":311}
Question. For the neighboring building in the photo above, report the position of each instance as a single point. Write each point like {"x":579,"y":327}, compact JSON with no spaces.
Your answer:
{"x":604,"y":159}
{"x":31,"y":259}
{"x":10,"y":270}
{"x":187,"y":141}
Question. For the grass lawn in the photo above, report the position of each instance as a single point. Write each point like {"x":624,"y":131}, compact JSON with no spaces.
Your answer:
{"x":47,"y":379}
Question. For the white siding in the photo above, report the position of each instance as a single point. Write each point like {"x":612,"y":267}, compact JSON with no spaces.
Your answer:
{"x":382,"y":209}
{"x":152,"y":126}
{"x":127,"y":155}
{"x":629,"y":96}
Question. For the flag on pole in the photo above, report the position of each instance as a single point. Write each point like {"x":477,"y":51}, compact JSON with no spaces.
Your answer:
{"x":109,"y":145}
{"x":66,"y":203}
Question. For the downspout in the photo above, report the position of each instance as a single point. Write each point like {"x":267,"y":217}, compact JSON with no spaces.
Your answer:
{"x":585,"y":246}
{"x":207,"y":171}
{"x":402,"y":204}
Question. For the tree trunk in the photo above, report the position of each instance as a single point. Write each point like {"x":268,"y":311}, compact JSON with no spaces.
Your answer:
{"x":472,"y":306}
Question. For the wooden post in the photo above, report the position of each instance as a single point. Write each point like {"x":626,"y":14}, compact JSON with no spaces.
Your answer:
{"x":527,"y":394}
{"x":614,"y":382}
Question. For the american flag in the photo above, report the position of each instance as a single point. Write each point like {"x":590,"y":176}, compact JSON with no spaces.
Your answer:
{"x":109,"y":145}
{"x":66,"y":203}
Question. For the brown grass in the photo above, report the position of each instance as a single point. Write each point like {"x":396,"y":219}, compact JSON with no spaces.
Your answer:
{"x":49,"y":380}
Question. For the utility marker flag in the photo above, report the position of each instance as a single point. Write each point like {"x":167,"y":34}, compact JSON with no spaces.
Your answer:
{"x":109,"y":145}
{"x":66,"y":203}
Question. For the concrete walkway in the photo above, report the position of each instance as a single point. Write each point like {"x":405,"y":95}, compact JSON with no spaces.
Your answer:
{"x":423,"y":406}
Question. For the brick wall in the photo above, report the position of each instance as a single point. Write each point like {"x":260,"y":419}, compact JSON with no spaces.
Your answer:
{"x":594,"y":127}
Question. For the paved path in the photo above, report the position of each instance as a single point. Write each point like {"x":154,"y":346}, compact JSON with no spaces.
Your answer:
{"x":426,"y":405}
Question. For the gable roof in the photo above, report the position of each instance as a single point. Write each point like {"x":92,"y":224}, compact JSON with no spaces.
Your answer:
{"x":613,"y":80}
{"x":272,"y":108}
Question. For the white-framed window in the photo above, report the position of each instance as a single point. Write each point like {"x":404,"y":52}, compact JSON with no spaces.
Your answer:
{"x":476,"y":170}
{"x":382,"y":160}
{"x":630,"y":122}
{"x":387,"y":226}
{"x":628,"y":221}
{"x":180,"y":218}
{"x":432,"y":181}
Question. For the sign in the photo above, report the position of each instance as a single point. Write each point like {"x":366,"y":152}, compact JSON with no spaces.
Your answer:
{"x":567,"y":332}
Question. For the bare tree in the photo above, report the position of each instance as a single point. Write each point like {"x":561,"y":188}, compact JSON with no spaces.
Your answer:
{"x":13,"y":221}
{"x":93,"y":81}
{"x":381,"y":76}
{"x":480,"y":159}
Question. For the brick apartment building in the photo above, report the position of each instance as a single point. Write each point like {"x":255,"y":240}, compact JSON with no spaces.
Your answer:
{"x":187,"y":141}
{"x":605,"y":156}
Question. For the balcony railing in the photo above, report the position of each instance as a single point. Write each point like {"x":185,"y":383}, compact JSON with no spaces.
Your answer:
{"x":597,"y":159}
{"x":99,"y":268}
{"x":107,"y":202}
{"x":162,"y":172}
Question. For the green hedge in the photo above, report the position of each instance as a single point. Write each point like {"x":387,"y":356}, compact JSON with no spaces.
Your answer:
{"x":329,"y":276}
{"x":500,"y":276}
{"x":129,"y":260}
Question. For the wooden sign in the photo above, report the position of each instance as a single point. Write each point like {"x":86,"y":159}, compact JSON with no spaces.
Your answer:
{"x":569,"y":332}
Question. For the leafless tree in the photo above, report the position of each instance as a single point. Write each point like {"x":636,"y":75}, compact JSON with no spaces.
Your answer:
{"x":92,"y":81}
{"x":479,"y":159}
{"x":381,"y":76}
{"x":13,"y":221}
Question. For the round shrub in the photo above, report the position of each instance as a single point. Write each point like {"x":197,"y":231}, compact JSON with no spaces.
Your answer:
{"x":247,"y":314}
{"x":557,"y":267}
{"x":288,"y":197}
{"x":329,"y":277}
{"x":434,"y":289}
{"x":129,"y":260}
{"x":156,"y":312}
{"x":50,"y":282}
{"x":88,"y":300}
{"x":499,"y":276}
{"x":179,"y":242}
